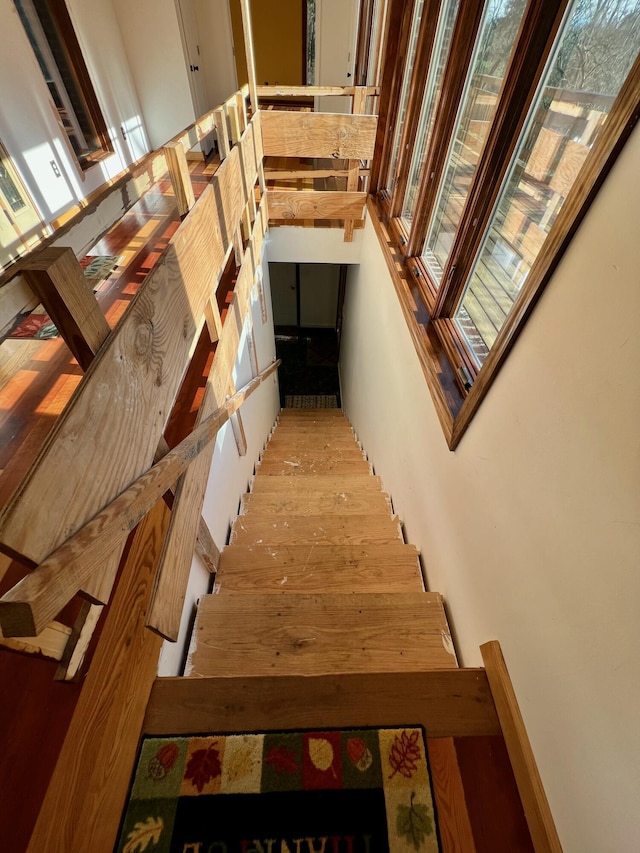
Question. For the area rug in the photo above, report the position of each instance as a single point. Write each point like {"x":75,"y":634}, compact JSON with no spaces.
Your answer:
{"x":311,"y":401}
{"x":365,"y":791}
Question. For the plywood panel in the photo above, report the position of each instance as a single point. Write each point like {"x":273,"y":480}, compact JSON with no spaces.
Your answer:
{"x":295,"y":134}
{"x":132,"y":382}
{"x":320,"y":634}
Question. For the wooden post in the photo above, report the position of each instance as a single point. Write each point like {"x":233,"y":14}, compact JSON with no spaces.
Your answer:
{"x":55,"y":276}
{"x":248,"y":49}
{"x":222,"y":133}
{"x":358,"y":108}
{"x":180,"y":177}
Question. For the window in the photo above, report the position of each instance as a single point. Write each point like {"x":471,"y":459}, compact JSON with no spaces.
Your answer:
{"x":508,"y":117}
{"x":51,"y":35}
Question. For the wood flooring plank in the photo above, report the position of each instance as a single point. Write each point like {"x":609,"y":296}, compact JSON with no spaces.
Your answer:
{"x":320,"y":634}
{"x":446,"y":702}
{"x":319,"y":568}
{"x":85,"y":798}
{"x":341,"y":503}
{"x":301,"y":530}
{"x":306,"y":483}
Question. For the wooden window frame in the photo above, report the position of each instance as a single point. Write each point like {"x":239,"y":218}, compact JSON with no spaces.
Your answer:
{"x":429,"y":308}
{"x":69,"y":42}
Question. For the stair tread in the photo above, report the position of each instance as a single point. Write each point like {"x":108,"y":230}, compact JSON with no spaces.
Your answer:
{"x":291,"y":453}
{"x":320,"y":634}
{"x":274,"y":467}
{"x":322,"y":503}
{"x":319,"y":568}
{"x":311,"y":413}
{"x":316,"y":482}
{"x":270,"y":529}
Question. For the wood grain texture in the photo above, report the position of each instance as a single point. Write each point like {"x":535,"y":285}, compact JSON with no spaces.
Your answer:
{"x":534,"y":800}
{"x":222,"y":132}
{"x":50,"y":643}
{"x":310,"y":91}
{"x":84,"y":801}
{"x":78,"y":643}
{"x":132,"y":381}
{"x":320,"y":634}
{"x":304,"y":530}
{"x":311,"y":204}
{"x":33,"y":601}
{"x":454,"y":825}
{"x":56,"y":277}
{"x":340,"y":503}
{"x":291,"y":468}
{"x":180,"y":177}
{"x":303,"y":484}
{"x":335,"y":135}
{"x":445,"y":702}
{"x":319,"y":568}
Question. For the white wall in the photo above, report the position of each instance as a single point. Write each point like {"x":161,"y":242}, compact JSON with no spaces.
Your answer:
{"x":293,"y":243}
{"x":531,"y":529}
{"x":29,"y":126}
{"x":230,"y":473}
{"x":335,"y":50}
{"x":154,"y":50}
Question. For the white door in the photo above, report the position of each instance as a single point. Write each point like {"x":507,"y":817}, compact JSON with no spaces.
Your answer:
{"x":192,"y":54}
{"x":336,"y":25}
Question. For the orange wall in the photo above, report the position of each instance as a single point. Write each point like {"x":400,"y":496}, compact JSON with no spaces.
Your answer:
{"x":278,"y":39}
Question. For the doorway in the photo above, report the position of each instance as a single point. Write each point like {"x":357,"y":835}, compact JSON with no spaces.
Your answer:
{"x":307,"y":314}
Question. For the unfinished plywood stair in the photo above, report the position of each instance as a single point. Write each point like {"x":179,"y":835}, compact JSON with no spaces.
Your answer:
{"x":317,"y":579}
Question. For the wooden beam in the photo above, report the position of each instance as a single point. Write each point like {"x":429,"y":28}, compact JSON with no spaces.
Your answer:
{"x":78,"y":643}
{"x":56,"y":277}
{"x":247,"y":30}
{"x":222,"y":132}
{"x":88,"y":789}
{"x":339,"y":136}
{"x":358,"y":107}
{"x":206,"y":548}
{"x":31,"y":604}
{"x":447,"y":703}
{"x":180,"y":177}
{"x":534,"y":800}
{"x":307,"y":204}
{"x":311,"y":91}
{"x":51,"y":642}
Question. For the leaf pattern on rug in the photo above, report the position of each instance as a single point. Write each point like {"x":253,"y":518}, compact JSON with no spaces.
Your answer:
{"x":413,"y":822}
{"x":204,"y":765}
{"x":405,"y":754}
{"x":142,"y":834}
{"x":283,"y":760}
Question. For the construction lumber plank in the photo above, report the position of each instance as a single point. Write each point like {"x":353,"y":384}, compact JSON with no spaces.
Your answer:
{"x":454,"y":824}
{"x":319,"y":568}
{"x":534,"y":800}
{"x":311,"y":204}
{"x":180,"y":177}
{"x":56,"y":277}
{"x":320,"y":634}
{"x":310,"y":91}
{"x":293,"y":468}
{"x":454,"y":702}
{"x":306,"y":483}
{"x":317,"y":439}
{"x":206,"y":547}
{"x":305,"y":530}
{"x":359,"y":106}
{"x":132,"y":381}
{"x":79,"y":641}
{"x":32,"y":602}
{"x":84,"y":801}
{"x":222,"y":132}
{"x":341,"y":503}
{"x":334,"y":135}
{"x":289,"y":454}
{"x":247,"y":30}
{"x":50,"y":642}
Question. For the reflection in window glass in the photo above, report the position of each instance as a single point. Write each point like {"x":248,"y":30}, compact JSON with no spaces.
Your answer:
{"x":429,"y":104}
{"x":404,"y":94}
{"x":591,"y":59}
{"x":497,"y":34}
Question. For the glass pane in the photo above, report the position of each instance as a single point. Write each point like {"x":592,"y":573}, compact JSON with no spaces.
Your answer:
{"x":404,"y":94}
{"x":429,"y":104}
{"x":494,"y":45}
{"x":590,"y":61}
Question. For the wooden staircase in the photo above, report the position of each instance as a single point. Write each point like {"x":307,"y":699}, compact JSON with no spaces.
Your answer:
{"x":316,"y":579}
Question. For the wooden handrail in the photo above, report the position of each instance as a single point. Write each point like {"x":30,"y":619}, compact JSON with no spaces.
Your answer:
{"x":33,"y":602}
